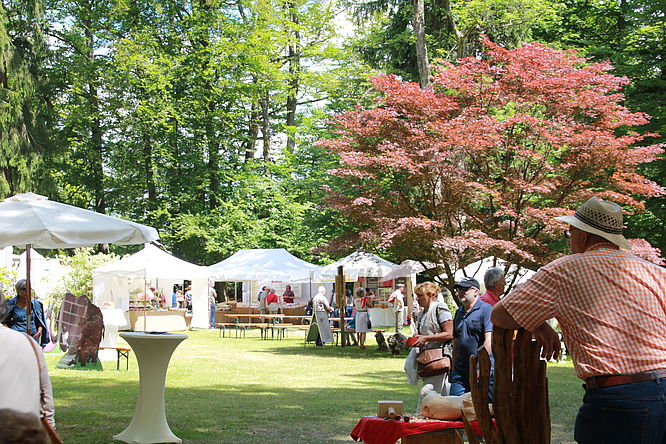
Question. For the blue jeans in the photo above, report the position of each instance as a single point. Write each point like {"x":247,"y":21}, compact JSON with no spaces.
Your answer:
{"x":460,"y":385}
{"x":629,"y":413}
{"x":212,"y":315}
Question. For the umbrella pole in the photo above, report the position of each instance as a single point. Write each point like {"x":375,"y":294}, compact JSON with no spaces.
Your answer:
{"x":28,"y":288}
{"x":145,"y":296}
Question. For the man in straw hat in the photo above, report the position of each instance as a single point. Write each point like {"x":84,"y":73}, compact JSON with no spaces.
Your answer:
{"x":611,"y":306}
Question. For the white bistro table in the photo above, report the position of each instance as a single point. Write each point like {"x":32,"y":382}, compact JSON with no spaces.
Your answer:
{"x":153,"y":352}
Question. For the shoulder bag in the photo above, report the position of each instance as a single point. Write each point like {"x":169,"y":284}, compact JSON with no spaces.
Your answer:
{"x":432,"y":362}
{"x":53,"y":435}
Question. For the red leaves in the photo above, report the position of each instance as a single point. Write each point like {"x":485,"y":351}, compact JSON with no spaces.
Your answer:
{"x":483,"y":160}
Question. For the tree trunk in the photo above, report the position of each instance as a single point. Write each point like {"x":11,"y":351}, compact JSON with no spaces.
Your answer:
{"x":266,"y":127}
{"x":96,"y":143}
{"x":294,"y":75}
{"x":252,"y":132}
{"x":148,"y":170}
{"x":213,"y":161}
{"x":458,"y":35}
{"x":421,"y":47}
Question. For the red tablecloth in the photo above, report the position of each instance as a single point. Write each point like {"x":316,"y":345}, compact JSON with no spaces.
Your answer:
{"x":374,"y":430}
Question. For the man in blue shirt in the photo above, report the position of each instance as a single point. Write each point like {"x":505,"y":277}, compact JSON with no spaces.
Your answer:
{"x":472,"y":329}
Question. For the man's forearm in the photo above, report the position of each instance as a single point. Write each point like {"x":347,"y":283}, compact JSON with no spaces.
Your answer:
{"x":502,"y":318}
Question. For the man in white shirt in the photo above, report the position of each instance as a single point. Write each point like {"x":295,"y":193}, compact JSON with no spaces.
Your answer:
{"x":398,"y":299}
{"x":322,"y":309}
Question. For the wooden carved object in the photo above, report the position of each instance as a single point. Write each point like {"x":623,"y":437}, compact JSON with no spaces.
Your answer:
{"x":80,"y":331}
{"x":520,"y":398}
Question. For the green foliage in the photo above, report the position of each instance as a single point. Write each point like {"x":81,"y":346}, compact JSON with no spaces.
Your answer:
{"x":24,"y":114}
{"x":631,"y":35}
{"x":508,"y":22}
{"x":386,"y":40}
{"x":79,"y":280}
{"x":262,"y":212}
{"x":7,"y":279}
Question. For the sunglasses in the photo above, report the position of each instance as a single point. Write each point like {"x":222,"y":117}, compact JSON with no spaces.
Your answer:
{"x":22,"y":288}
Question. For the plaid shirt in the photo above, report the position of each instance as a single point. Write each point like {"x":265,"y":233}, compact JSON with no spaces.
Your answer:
{"x":610,"y":304}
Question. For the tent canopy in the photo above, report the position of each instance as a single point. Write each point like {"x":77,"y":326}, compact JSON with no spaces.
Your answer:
{"x":151,"y":263}
{"x":356,"y":265}
{"x":267,"y":265}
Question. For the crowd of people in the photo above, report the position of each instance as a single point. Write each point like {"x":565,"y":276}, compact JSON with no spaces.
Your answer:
{"x":610,"y":304}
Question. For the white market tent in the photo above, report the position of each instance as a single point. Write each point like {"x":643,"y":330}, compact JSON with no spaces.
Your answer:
{"x":356,"y":265}
{"x":265,"y":266}
{"x":478,"y":269}
{"x":361,"y":264}
{"x":156,"y":268}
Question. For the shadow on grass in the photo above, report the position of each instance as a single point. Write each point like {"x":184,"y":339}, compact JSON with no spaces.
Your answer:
{"x":92,"y":412}
{"x":330,"y":351}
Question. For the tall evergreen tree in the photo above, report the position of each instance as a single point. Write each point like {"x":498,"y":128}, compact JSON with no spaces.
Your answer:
{"x":24,"y":113}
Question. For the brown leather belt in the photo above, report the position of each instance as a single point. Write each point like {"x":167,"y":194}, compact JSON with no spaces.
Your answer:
{"x":611,"y":380}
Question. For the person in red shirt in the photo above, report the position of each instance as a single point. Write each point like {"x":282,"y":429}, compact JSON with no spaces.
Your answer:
{"x":288,"y":296}
{"x":494,"y":281}
{"x":272,"y":302}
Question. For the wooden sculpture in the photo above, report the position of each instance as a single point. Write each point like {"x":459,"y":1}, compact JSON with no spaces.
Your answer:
{"x":520,"y":397}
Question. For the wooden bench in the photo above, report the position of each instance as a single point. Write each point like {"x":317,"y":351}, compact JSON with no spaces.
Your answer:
{"x":243,"y":326}
{"x":282,"y":328}
{"x":222,"y":326}
{"x":122,"y":352}
{"x":349,"y":333}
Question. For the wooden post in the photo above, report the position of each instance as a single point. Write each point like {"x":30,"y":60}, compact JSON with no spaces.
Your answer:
{"x":28,"y":290}
{"x":340,"y":292}
{"x":409,"y":294}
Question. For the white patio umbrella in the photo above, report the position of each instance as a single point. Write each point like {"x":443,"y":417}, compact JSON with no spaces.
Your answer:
{"x":32,"y":220}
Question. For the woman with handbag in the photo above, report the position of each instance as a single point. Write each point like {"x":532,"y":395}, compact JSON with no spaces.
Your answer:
{"x":434,"y":339}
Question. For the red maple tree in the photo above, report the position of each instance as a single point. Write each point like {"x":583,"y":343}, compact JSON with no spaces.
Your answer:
{"x":480,"y":163}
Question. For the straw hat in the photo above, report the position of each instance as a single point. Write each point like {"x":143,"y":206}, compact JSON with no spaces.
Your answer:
{"x":599,"y":217}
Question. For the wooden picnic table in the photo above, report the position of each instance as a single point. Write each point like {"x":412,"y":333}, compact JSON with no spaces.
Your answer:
{"x":272,"y":322}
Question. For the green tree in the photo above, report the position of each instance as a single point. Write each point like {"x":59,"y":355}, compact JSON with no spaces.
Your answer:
{"x":389,"y":36}
{"x":630,"y":34}
{"x":79,"y":279}
{"x":81,"y":30}
{"x":24,"y":112}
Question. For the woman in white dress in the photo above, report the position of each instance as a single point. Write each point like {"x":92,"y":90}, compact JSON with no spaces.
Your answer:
{"x":361,"y":318}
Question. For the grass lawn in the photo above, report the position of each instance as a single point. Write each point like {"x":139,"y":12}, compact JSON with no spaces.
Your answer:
{"x":228,"y":390}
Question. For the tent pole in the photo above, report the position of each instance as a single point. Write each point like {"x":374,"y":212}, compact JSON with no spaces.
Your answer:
{"x":28,"y":288}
